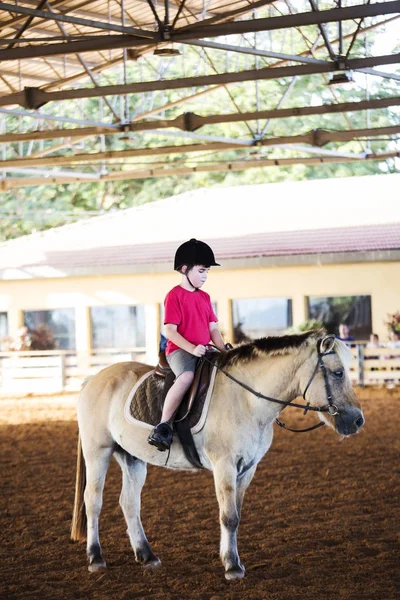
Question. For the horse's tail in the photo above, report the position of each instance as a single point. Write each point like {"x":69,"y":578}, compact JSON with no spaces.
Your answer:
{"x":79,"y":521}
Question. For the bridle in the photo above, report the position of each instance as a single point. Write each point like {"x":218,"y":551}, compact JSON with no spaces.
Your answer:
{"x":330,"y":408}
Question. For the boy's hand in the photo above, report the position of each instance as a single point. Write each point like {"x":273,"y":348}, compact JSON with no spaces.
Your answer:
{"x":199,"y":350}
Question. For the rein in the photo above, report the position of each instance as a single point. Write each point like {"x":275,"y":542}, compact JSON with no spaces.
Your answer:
{"x":331,"y":409}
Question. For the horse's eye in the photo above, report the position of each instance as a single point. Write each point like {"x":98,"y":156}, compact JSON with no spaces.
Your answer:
{"x":339,"y":373}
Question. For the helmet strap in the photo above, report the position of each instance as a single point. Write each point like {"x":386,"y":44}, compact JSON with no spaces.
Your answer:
{"x":189,"y":268}
{"x":194,"y":287}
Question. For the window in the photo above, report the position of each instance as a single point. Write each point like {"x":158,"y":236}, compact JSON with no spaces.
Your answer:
{"x":354,"y":311}
{"x":51,"y":329}
{"x":118,"y":326}
{"x":257,"y":317}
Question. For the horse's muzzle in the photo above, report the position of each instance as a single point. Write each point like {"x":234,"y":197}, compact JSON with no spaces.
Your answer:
{"x":349,"y":421}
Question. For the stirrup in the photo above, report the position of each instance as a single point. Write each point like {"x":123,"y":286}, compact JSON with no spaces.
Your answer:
{"x":161,"y":436}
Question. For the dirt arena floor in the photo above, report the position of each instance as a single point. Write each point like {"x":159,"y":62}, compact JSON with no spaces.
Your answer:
{"x":320,"y":519}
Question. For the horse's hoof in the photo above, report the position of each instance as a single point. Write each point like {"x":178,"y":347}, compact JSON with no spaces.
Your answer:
{"x":236,"y":573}
{"x":97,"y":567}
{"x":154,"y":563}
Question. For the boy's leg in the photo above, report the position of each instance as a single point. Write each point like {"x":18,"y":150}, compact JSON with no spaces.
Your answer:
{"x":162,"y":434}
{"x":183,"y":365}
{"x":175,"y":395}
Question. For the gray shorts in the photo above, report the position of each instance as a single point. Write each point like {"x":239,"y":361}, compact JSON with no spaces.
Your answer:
{"x":181,"y":361}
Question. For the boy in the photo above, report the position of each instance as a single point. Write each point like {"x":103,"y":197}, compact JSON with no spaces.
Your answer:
{"x":190,"y":323}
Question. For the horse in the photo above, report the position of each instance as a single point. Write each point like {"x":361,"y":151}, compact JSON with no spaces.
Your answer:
{"x":236,"y":435}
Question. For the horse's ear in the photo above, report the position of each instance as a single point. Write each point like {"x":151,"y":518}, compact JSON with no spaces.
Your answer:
{"x":327,"y":344}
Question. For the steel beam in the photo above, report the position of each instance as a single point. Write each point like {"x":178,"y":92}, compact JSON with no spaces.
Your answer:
{"x":192,"y":122}
{"x":317,"y":137}
{"x":34,"y":97}
{"x":83,"y":63}
{"x":321,"y":137}
{"x":92,"y":44}
{"x":50,"y":16}
{"x":283,"y":57}
{"x":51,"y":173}
{"x":10,"y":183}
{"x":27,"y":76}
{"x":255,"y":52}
{"x":11,"y":24}
{"x":47,"y":117}
{"x":78,"y":10}
{"x":201,"y":30}
{"x":154,"y":172}
{"x":325,"y":36}
{"x":55,"y":134}
{"x":197,"y":121}
{"x":101,"y":67}
{"x":25,"y":26}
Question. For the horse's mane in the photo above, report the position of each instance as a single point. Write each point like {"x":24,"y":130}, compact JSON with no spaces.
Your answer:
{"x":271,"y":345}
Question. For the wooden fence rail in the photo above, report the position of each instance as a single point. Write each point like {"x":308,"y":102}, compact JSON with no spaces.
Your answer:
{"x":374,"y":366}
{"x":54,"y":371}
{"x":58,"y":371}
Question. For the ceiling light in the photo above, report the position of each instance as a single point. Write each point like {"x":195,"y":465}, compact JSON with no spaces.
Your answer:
{"x":344,"y":77}
{"x":168,"y":51}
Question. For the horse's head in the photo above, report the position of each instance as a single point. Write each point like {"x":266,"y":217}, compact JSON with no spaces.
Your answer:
{"x":326,"y":383}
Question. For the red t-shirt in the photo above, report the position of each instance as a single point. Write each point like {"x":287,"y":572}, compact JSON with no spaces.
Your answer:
{"x":192,"y":312}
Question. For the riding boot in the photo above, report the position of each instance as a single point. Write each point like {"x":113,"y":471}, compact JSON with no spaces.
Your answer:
{"x":161,"y":436}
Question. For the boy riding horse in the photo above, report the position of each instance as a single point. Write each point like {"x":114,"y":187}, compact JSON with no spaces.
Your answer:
{"x":190,"y":323}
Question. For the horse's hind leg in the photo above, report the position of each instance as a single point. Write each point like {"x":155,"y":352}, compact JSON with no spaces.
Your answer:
{"x":134,"y":473}
{"x":96,"y":469}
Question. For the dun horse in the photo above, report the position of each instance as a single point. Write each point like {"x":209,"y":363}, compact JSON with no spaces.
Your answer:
{"x":236,"y":435}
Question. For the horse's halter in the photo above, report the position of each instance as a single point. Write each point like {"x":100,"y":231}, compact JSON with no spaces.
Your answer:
{"x":331,"y":408}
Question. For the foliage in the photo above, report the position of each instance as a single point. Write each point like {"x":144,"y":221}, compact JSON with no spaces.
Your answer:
{"x":27,"y":339}
{"x":24,"y":210}
{"x":392,"y":321}
{"x":308,"y":325}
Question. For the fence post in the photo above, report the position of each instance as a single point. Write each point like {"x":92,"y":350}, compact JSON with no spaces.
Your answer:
{"x":62,"y":372}
{"x":360,"y":364}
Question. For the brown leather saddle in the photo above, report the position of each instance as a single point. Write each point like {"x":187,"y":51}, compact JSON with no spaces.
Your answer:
{"x":148,"y":399}
{"x":193,"y":402}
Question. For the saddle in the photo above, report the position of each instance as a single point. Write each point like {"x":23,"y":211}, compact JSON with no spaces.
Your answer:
{"x":197,"y":391}
{"x":146,"y":400}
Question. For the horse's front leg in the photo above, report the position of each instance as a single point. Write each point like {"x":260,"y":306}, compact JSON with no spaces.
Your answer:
{"x":243,"y":482}
{"x":225,"y":477}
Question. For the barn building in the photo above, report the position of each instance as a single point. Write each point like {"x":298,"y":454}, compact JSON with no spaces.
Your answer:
{"x":322,"y":249}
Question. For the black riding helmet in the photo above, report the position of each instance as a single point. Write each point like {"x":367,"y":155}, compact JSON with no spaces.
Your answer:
{"x":194,"y":252}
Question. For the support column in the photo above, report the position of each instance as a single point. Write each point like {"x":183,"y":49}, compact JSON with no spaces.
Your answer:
{"x":83,"y":337}
{"x":152,"y":328}
{"x":224,"y":314}
{"x":299,"y":308}
{"x":15,"y":320}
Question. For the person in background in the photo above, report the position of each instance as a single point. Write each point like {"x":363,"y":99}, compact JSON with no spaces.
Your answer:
{"x":394,"y":340}
{"x":344,"y":333}
{"x":374,"y":341}
{"x":163,"y":343}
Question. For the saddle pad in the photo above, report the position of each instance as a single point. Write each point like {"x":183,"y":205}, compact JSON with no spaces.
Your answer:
{"x":143,"y":405}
